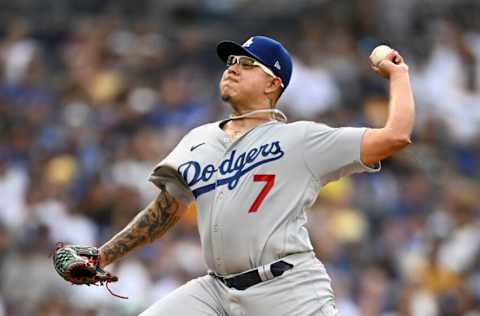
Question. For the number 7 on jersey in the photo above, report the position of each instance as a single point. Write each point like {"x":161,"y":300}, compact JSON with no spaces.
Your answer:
{"x":269,"y":180}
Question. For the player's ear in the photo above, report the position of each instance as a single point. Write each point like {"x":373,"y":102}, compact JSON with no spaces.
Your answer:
{"x":273,"y":85}
{"x":273,"y":90}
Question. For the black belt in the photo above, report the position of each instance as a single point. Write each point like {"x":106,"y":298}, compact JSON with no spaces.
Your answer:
{"x":250,"y":278}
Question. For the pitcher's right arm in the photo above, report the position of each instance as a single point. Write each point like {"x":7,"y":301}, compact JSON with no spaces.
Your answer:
{"x":379,"y":143}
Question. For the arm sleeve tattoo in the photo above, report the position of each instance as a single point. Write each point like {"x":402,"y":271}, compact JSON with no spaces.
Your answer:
{"x":150,"y":224}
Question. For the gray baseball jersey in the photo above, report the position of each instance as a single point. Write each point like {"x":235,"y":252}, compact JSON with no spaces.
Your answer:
{"x":252,"y":192}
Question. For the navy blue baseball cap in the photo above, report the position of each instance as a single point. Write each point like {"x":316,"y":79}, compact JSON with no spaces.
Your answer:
{"x":265,"y":50}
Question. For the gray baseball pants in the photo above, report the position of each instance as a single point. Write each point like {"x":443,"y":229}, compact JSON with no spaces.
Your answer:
{"x":304,"y":290}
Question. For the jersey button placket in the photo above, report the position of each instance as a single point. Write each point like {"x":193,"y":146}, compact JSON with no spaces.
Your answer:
{"x":217,"y":239}
{"x":216,"y":227}
{"x":217,"y":233}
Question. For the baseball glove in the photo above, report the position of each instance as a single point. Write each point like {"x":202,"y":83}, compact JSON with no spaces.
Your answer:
{"x":80,"y":265}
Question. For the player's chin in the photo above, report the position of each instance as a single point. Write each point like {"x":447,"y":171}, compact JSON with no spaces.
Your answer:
{"x":225,"y":97}
{"x":226,"y":94}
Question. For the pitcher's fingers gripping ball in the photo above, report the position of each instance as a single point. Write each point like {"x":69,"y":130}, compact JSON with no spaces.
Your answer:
{"x":80,"y":265}
{"x":383,"y":58}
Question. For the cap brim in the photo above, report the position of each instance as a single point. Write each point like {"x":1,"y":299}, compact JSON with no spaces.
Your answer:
{"x":227,"y":48}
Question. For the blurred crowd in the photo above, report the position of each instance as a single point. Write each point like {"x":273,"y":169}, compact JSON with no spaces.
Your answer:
{"x":94,"y":93}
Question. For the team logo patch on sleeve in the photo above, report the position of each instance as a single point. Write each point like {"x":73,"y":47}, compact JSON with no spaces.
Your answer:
{"x":230,"y":169}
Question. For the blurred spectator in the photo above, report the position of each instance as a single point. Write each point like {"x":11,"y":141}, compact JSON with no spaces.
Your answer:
{"x":178,"y":108}
{"x":17,"y":51}
{"x":13,"y":184}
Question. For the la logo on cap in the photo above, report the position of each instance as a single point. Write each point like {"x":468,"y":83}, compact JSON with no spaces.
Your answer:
{"x":248,"y":42}
{"x":277,"y":65}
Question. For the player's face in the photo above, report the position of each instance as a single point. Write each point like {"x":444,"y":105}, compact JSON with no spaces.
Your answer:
{"x":244,"y":82}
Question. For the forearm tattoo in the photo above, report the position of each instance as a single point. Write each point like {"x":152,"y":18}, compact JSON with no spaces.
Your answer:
{"x":150,"y":224}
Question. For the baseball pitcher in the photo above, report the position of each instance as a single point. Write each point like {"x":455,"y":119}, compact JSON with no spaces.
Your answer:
{"x":253,"y":176}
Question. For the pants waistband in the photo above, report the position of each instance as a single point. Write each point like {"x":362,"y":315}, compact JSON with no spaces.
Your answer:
{"x":244,"y":280}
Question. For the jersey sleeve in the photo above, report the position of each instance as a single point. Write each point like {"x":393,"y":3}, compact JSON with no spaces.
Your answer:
{"x":332,"y":153}
{"x":165,"y":174}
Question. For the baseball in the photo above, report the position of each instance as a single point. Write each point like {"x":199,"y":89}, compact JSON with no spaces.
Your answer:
{"x":379,"y":53}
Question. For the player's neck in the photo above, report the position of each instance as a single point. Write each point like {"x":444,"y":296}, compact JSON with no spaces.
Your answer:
{"x":260,"y":114}
{"x":239,"y":123}
{"x":246,"y":114}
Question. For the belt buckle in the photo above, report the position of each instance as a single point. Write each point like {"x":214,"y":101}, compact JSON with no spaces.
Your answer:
{"x":228,"y":282}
